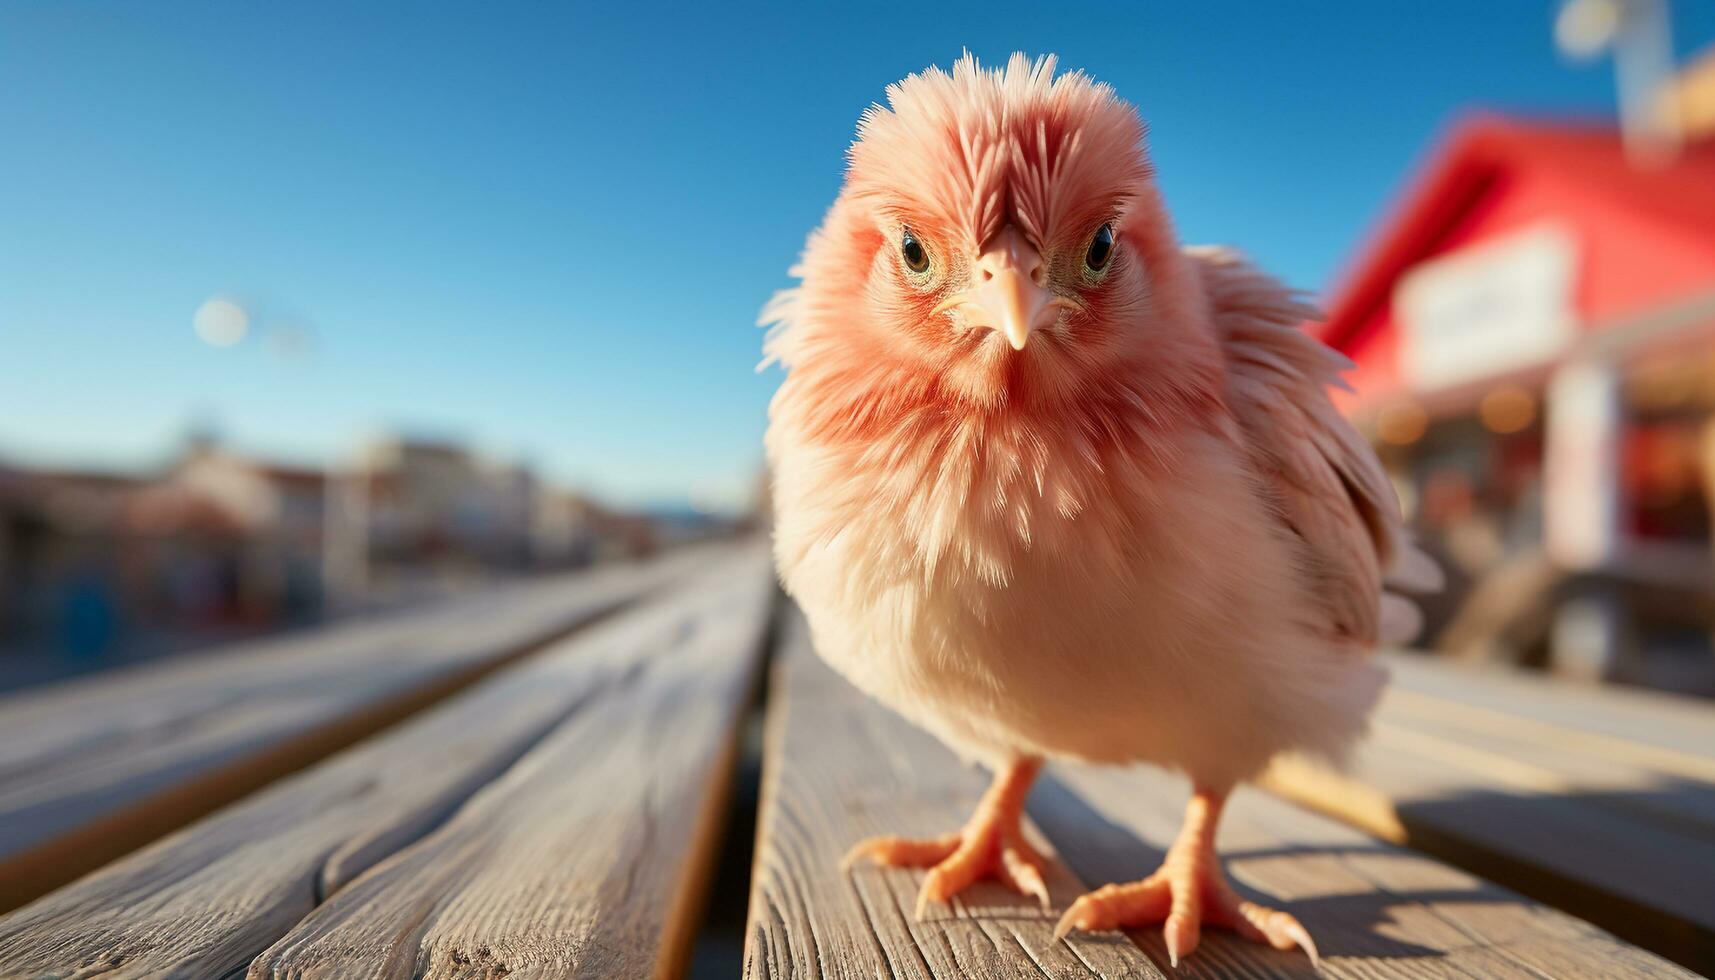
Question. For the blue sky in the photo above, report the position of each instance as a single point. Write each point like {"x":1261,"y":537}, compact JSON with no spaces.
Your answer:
{"x":546,"y":229}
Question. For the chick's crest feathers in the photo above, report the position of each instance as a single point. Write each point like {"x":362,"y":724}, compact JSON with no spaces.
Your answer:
{"x":1327,"y":482}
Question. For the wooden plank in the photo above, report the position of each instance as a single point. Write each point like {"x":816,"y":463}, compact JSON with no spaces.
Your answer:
{"x":205,"y":901}
{"x":97,"y":767}
{"x":1599,"y":800}
{"x":1662,"y":730}
{"x":839,"y":767}
{"x":589,"y":857}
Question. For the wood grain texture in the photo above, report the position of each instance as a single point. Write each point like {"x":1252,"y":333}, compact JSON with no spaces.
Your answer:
{"x":1600,"y":801}
{"x":840,"y":767}
{"x":589,"y":856}
{"x":207,"y":900}
{"x":95,"y":768}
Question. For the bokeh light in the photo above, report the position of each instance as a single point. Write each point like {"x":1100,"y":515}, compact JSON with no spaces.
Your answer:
{"x":220,"y":322}
{"x":1507,"y":409}
{"x":1401,"y":425}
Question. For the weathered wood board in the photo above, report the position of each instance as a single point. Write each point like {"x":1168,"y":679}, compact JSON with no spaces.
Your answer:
{"x":1598,"y":800}
{"x":1641,"y":721}
{"x":207,"y":900}
{"x":94,"y":768}
{"x":589,"y":857}
{"x":839,"y":767}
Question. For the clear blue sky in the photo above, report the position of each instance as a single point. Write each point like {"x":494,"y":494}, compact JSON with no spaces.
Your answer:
{"x":546,"y":229}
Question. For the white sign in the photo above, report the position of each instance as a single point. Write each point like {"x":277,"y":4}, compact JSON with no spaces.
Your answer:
{"x":1581,"y":493}
{"x":1494,"y":307}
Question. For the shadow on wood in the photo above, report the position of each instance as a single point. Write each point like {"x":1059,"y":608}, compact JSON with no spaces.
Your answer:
{"x":1666,"y":902}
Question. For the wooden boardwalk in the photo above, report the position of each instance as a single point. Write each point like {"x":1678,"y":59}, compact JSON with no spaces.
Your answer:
{"x":470,"y":792}
{"x":1599,"y":800}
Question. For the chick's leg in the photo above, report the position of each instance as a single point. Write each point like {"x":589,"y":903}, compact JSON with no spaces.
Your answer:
{"x":991,"y":844}
{"x":1188,"y":891}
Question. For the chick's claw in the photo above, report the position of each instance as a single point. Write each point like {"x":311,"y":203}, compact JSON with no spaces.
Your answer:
{"x":1114,"y":906}
{"x":901,"y":852}
{"x":991,"y":845}
{"x":958,"y":860}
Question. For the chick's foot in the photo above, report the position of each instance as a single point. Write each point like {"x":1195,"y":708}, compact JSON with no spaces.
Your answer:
{"x":1186,"y":893}
{"x":991,"y":844}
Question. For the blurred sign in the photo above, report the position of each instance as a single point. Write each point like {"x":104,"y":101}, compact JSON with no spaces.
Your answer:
{"x":1488,"y":309}
{"x":1581,"y":502}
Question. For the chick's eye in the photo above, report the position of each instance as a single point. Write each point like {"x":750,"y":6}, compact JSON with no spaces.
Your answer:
{"x":915,"y":255}
{"x":1101,"y":249}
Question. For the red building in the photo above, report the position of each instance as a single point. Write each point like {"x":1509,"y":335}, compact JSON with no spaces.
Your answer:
{"x":1534,"y":334}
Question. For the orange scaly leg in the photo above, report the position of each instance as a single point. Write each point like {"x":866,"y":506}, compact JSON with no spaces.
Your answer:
{"x":991,"y":844}
{"x":1187,"y":891}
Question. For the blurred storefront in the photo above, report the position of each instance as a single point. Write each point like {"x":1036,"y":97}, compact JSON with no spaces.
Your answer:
{"x":1534,"y":334}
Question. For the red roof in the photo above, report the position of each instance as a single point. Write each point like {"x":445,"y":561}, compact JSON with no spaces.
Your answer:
{"x":1484,"y":148}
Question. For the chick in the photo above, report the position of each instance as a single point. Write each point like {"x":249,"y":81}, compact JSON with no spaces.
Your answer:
{"x":1052,"y":486}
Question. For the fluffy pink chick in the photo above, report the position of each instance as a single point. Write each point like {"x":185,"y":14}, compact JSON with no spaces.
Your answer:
{"x":1052,"y":486}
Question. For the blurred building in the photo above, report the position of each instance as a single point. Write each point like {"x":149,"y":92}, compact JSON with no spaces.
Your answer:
{"x":563,"y":531}
{"x":60,"y":554}
{"x":272,"y":516}
{"x":217,"y":543}
{"x":405,"y":509}
{"x":431,"y":501}
{"x":1534,"y":334}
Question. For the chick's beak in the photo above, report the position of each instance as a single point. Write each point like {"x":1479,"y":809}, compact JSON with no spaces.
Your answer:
{"x":1005,"y":293}
{"x":1014,"y":301}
